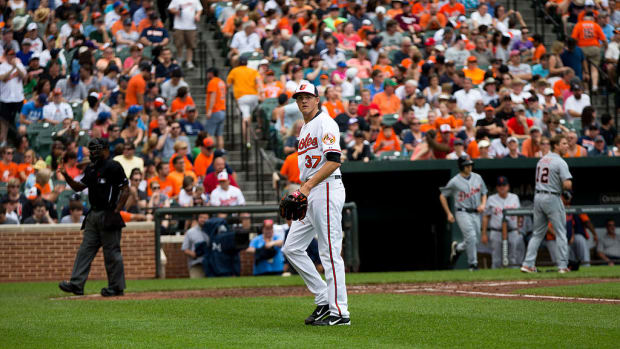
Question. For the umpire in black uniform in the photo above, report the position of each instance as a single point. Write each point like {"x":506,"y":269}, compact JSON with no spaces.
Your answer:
{"x":107,"y":192}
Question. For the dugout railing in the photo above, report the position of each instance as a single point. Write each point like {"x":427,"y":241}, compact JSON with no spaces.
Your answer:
{"x":349,"y":226}
{"x":586,"y":209}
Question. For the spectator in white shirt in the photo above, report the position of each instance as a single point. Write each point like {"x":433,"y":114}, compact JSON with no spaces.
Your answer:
{"x":516,"y":68}
{"x":114,"y":15}
{"x":58,"y":110}
{"x":332,"y":54}
{"x":245,"y":40}
{"x":482,"y":17}
{"x":499,"y":146}
{"x":186,"y":14}
{"x":574,"y":104}
{"x":12,"y":75}
{"x":467,"y":97}
{"x":225,"y":194}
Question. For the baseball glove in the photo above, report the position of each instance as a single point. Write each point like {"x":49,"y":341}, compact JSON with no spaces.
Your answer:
{"x":294,"y":206}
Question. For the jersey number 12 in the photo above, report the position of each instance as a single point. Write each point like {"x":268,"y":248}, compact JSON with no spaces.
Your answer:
{"x":542,"y":175}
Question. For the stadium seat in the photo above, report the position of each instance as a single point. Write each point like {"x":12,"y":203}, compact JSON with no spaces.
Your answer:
{"x":62,"y":201}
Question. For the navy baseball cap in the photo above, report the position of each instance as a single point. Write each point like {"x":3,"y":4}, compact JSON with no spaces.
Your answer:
{"x":502,"y":180}
{"x":75,"y":78}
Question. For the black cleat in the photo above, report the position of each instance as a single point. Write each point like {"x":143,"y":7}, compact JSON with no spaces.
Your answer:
{"x":110,"y":292}
{"x":319,"y":313}
{"x":333,"y":321}
{"x":454,"y":254}
{"x":70,"y":288}
{"x":473,"y":267}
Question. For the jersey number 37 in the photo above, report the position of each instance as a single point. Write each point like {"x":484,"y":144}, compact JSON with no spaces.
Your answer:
{"x":312,"y":162}
{"x":542,"y":174}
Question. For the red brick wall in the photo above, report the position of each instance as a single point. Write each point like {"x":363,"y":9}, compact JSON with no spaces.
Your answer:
{"x":176,"y":262}
{"x":47,"y":252}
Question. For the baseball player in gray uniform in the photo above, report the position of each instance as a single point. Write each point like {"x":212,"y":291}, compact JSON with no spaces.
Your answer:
{"x":470,"y":196}
{"x":553,"y":179}
{"x":503,"y":229}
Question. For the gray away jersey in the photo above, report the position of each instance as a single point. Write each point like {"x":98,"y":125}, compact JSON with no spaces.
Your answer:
{"x":551,"y":172}
{"x":495,"y":207}
{"x":467,"y":193}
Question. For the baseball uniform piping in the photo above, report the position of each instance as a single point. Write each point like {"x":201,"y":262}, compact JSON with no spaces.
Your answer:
{"x":331,"y":259}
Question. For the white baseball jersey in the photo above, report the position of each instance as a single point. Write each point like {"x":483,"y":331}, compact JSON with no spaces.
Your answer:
{"x":495,"y":207}
{"x":317,"y":138}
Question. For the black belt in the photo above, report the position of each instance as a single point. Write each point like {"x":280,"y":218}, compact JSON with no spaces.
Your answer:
{"x":546,"y":192}
{"x":468,"y":210}
{"x":335,"y":177}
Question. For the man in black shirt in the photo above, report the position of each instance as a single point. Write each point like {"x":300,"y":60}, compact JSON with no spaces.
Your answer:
{"x":491,"y":124}
{"x":107,"y":192}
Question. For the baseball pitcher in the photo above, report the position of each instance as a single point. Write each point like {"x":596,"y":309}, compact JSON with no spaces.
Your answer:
{"x":316,"y":209}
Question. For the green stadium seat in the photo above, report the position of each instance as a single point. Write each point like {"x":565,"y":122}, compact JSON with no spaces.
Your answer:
{"x":390,"y":119}
{"x":63,"y":201}
{"x":389,"y":155}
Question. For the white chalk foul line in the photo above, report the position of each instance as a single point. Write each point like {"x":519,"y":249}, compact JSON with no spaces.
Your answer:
{"x":510,"y":295}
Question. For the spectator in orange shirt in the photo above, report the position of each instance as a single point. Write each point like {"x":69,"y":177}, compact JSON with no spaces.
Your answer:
{"x":147,"y":22}
{"x":384,"y":65}
{"x":386,"y":140}
{"x":433,"y":20}
{"x":247,"y":88}
{"x":240,"y":14}
{"x":272,"y":87}
{"x":182,"y":100}
{"x":180,"y":149}
{"x":531,"y":146}
{"x":176,"y":177}
{"x":473,"y":72}
{"x":452,"y":9}
{"x":387,"y":101}
{"x":561,"y":88}
{"x":290,"y":170}
{"x":8,"y":168}
{"x":589,"y":36}
{"x":333,"y":104}
{"x":136,"y":87}
{"x":204,"y":158}
{"x":539,"y":47}
{"x":216,"y":106}
{"x":574,"y":149}
{"x":26,"y":168}
{"x":167,"y":187}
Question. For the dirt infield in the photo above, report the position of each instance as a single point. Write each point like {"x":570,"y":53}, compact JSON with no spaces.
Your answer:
{"x":490,"y":289}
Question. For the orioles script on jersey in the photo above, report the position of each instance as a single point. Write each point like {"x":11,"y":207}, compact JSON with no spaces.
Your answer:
{"x":306,"y":144}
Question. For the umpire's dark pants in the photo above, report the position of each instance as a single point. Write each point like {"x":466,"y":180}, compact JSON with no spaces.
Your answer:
{"x":94,"y":237}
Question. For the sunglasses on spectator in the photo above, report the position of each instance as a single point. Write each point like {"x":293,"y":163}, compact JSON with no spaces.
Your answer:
{"x":176,"y":127}
{"x":9,"y":153}
{"x":156,"y":187}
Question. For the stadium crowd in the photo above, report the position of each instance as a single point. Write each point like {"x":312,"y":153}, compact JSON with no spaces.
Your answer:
{"x":72,"y":71}
{"x":426,"y":79}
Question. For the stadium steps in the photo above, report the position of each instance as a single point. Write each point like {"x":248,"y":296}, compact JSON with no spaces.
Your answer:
{"x":246,"y":178}
{"x":528,"y":13}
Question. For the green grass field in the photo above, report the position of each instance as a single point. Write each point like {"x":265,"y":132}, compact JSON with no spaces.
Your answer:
{"x":31,"y":319}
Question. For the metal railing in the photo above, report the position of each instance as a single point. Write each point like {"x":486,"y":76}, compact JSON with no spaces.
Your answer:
{"x":611,"y":87}
{"x":349,"y":224}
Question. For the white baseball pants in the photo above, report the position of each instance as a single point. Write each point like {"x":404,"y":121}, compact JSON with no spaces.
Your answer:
{"x":324,"y":219}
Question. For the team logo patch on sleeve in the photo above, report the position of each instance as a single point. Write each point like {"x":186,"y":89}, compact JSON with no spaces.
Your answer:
{"x":329,"y":139}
